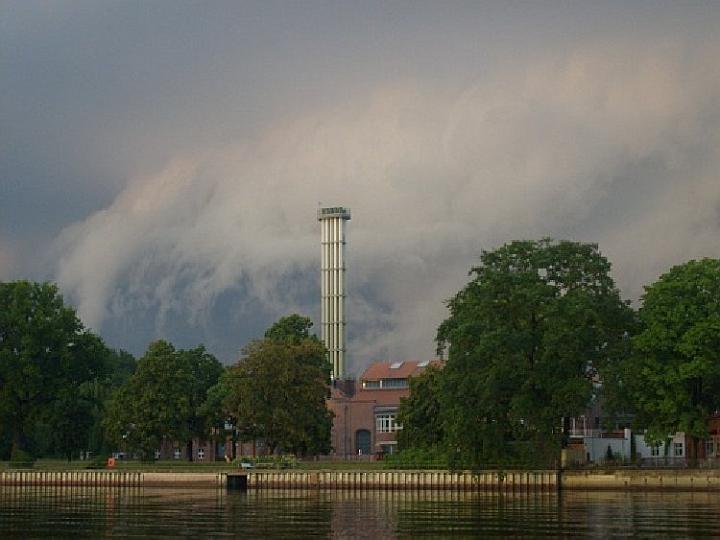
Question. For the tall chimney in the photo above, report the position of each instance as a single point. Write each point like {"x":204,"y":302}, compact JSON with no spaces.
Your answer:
{"x":332,"y":287}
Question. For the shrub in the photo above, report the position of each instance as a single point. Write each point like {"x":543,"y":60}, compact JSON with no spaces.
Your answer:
{"x":97,"y":462}
{"x":417,"y":458}
{"x":21,"y":459}
{"x":268,"y":462}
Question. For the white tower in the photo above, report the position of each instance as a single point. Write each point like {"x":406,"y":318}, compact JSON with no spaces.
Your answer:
{"x":332,"y":286}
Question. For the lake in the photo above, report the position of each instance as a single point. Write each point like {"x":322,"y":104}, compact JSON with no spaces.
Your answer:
{"x":32,"y":512}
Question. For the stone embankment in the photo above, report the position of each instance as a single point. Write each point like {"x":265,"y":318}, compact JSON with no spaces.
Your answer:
{"x":389,"y":480}
{"x":398,"y":480}
{"x":641,"y":480}
{"x":110,"y":478}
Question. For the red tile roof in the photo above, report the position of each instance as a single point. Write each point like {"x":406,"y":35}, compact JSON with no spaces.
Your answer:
{"x":383,"y":370}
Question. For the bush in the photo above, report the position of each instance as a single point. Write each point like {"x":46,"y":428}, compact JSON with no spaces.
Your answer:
{"x":98,"y":462}
{"x":269,"y":462}
{"x":20,"y":459}
{"x":417,"y":458}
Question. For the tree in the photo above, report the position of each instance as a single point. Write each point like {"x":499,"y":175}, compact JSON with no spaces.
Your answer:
{"x":216,"y":414}
{"x":205,"y":371}
{"x":72,"y":413}
{"x":673,"y":377}
{"x":292,"y":327}
{"x":120,"y":365}
{"x":419,"y":413}
{"x":537,"y":324}
{"x":155,"y":404}
{"x":47,"y":359}
{"x":277,"y":392}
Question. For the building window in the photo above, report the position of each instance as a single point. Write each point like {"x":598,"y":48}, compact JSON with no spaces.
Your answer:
{"x":176,"y":453}
{"x":388,"y":448}
{"x":201,"y":454}
{"x":394,"y":383}
{"x":371,"y":384}
{"x":709,"y":448}
{"x":678,"y":449}
{"x":655,"y":450}
{"x":385,"y":423}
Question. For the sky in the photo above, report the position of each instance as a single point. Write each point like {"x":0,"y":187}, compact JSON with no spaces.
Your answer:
{"x":163,"y":161}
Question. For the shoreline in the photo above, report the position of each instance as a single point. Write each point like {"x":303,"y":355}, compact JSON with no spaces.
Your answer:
{"x":392,"y":480}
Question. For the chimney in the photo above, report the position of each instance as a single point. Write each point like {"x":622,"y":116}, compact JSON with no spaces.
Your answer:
{"x":332,"y":286}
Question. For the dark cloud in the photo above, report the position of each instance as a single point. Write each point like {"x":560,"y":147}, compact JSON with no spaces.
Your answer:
{"x":183,"y":148}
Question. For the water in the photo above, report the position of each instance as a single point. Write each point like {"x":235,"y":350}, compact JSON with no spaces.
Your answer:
{"x":32,"y":512}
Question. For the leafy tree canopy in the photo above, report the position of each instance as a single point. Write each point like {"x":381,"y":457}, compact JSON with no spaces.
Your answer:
{"x":164,"y":399}
{"x":47,"y":362}
{"x":155,"y":404}
{"x":277,"y":391}
{"x":205,"y":371}
{"x":419,"y":413}
{"x":291,"y":327}
{"x":526,"y":337}
{"x":673,"y":377}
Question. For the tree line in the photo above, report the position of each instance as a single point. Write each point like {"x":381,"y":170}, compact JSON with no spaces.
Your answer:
{"x":63,"y":391}
{"x":540,"y":332}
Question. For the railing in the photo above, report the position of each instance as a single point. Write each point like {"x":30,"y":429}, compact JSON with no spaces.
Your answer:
{"x":582,"y":432}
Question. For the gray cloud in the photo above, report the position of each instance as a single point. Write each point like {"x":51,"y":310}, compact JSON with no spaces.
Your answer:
{"x":182,"y":148}
{"x":610,"y":143}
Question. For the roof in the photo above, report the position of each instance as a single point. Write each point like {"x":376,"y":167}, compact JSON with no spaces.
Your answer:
{"x":397,"y":370}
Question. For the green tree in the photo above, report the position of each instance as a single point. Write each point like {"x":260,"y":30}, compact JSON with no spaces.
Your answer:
{"x":71,"y":417}
{"x":673,"y":378}
{"x":47,"y":359}
{"x":155,"y":404}
{"x":291,"y":327}
{"x":539,"y":321}
{"x":205,"y":371}
{"x":120,"y":365}
{"x":277,"y":392}
{"x":419,"y":413}
{"x":216,"y":414}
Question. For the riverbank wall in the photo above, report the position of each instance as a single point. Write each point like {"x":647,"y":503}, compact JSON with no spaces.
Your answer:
{"x":111,"y":479}
{"x":412,"y":480}
{"x":642,"y":480}
{"x":485,"y":481}
{"x":382,"y":480}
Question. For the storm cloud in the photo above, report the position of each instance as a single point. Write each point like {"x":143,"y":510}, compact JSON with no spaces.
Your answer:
{"x":209,"y":234}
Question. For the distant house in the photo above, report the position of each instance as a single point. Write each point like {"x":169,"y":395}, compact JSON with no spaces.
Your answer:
{"x":203,"y":450}
{"x":598,"y":446}
{"x":365,"y":422}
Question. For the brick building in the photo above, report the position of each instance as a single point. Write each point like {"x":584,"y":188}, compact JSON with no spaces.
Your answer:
{"x":365,"y":422}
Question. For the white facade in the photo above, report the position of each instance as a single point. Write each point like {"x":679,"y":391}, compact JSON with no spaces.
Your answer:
{"x":597,"y":444}
{"x":332,"y":285}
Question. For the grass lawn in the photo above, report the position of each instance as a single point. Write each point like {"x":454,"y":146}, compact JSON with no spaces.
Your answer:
{"x":157,"y":466}
{"x":199,"y":467}
{"x":340,"y":465}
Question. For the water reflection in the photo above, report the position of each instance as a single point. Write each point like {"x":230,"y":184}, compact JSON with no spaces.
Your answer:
{"x":32,"y":512}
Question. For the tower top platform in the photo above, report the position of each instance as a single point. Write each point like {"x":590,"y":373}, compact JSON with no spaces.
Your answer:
{"x":333,"y":212}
